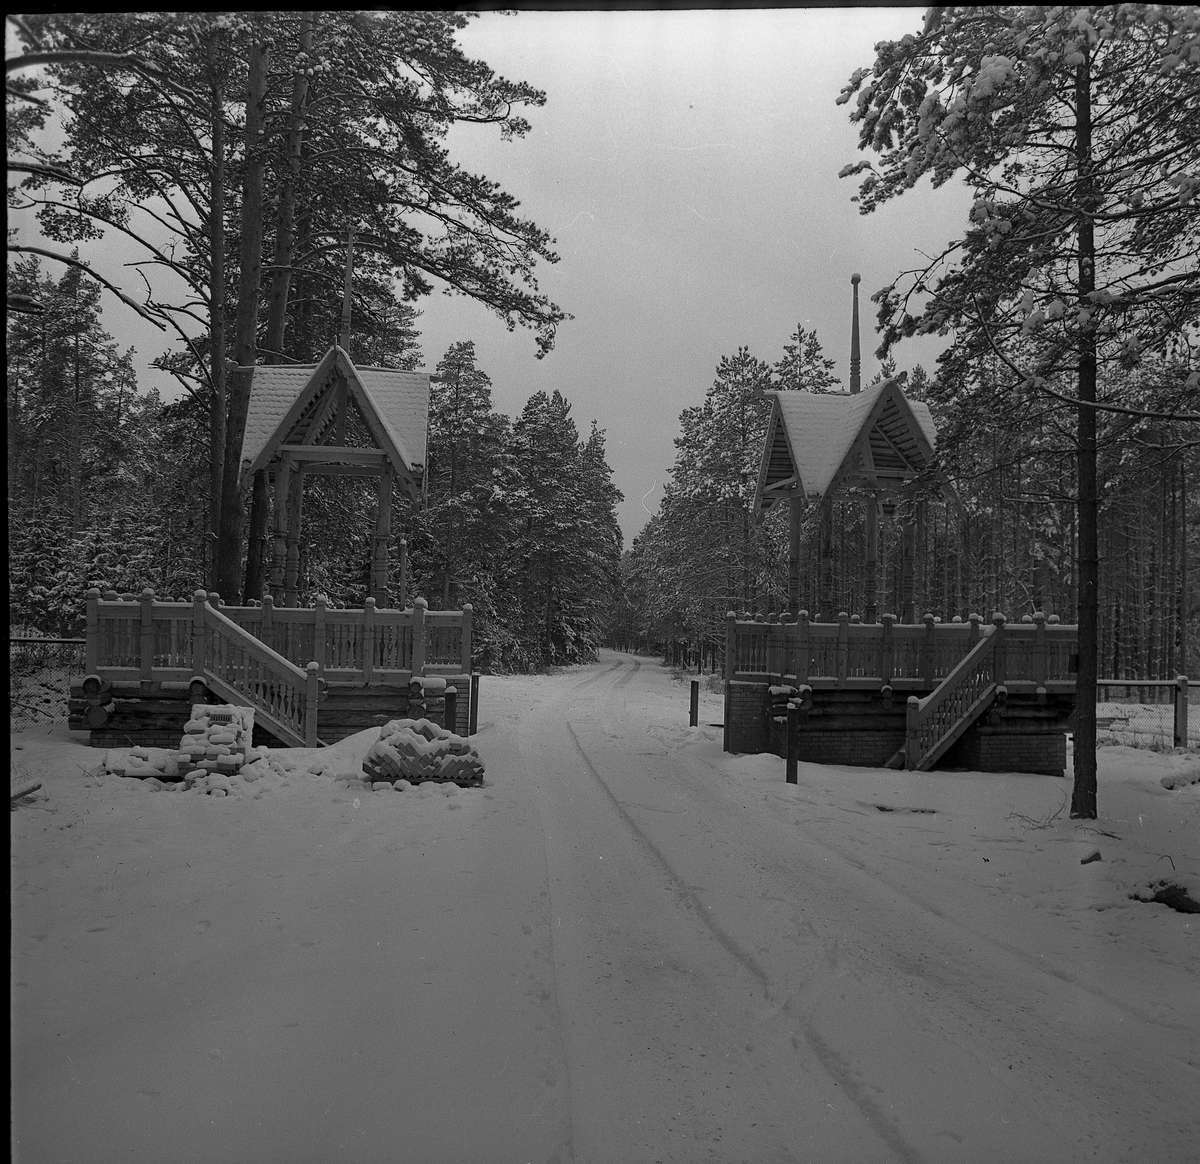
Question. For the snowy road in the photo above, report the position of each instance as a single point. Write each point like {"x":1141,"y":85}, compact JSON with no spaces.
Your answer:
{"x":739,"y":986}
{"x":619,"y":950}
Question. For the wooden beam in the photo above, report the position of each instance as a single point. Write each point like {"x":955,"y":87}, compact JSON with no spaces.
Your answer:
{"x":335,"y":454}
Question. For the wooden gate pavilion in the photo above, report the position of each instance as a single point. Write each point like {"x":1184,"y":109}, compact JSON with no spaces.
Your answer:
{"x":312,"y":674}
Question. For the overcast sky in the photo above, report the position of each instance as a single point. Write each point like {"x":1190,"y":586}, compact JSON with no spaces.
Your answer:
{"x":686,"y":163}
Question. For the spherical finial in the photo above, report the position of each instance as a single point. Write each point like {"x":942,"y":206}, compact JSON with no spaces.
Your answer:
{"x":855,"y":279}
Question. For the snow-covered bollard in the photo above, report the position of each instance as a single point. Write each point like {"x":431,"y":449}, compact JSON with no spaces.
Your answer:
{"x":418,"y":750}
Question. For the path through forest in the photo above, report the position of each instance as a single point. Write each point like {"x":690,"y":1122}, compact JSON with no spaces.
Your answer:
{"x":626,"y":947}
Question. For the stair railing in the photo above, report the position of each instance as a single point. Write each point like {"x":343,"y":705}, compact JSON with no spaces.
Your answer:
{"x":242,"y":669}
{"x":935,"y":722}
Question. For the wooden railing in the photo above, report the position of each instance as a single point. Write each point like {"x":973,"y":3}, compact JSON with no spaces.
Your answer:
{"x":851,"y":653}
{"x":933,"y":723}
{"x":144,"y":638}
{"x":239,"y":668}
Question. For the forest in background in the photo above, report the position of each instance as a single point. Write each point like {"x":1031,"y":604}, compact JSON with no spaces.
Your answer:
{"x":517,"y":516}
{"x":997,"y":531}
{"x":235,"y":155}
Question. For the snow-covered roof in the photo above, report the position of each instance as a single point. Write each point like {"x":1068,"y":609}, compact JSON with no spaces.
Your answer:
{"x":295,"y":404}
{"x":877,"y":437}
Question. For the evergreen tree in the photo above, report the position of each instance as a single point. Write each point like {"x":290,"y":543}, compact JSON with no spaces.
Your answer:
{"x":804,"y":366}
{"x":1075,"y":129}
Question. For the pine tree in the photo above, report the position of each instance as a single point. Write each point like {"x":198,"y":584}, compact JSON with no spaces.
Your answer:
{"x":1074,"y":127}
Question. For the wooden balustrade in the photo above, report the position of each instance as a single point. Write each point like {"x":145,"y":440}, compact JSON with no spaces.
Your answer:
{"x":853,"y":653}
{"x":143,"y":639}
{"x":932,"y":724}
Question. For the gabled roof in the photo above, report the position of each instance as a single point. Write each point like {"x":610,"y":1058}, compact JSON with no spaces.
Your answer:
{"x":875,"y":439}
{"x":297,"y":404}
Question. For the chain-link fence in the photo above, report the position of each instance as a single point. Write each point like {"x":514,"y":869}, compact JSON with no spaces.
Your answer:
{"x":1140,"y":713}
{"x":40,"y":671}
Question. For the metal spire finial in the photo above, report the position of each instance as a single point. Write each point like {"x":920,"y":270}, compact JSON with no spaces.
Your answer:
{"x":855,"y":353}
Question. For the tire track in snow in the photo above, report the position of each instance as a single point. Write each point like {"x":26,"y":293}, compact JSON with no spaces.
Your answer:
{"x":830,"y":1061}
{"x":1037,"y":963}
{"x":637,"y":666}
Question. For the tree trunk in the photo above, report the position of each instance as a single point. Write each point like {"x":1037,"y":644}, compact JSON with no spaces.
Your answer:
{"x":280,"y":286}
{"x":229,"y":541}
{"x":216,"y":319}
{"x":1083,"y":795}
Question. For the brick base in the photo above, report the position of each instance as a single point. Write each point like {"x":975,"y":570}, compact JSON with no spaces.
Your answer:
{"x":992,"y":749}
{"x":745,"y":717}
{"x":857,"y":729}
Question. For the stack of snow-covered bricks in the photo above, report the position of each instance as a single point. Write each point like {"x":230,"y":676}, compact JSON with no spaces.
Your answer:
{"x":412,"y":751}
{"x":215,"y":744}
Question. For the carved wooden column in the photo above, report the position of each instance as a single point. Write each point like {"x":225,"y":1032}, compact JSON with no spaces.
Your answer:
{"x":825,"y":600}
{"x":908,"y":558}
{"x":795,"y":517}
{"x":383,"y":532}
{"x":871,"y":564}
{"x":295,"y":514}
{"x":283,"y":482}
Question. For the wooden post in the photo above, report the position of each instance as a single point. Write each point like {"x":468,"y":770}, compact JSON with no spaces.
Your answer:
{"x":825,"y":596}
{"x":795,"y":519}
{"x":368,"y":641}
{"x":283,"y":480}
{"x":843,"y":646}
{"x":295,"y":515}
{"x":1181,"y":711}
{"x":267,"y":625}
{"x":908,"y":558}
{"x":730,"y":645}
{"x":450,"y":714}
{"x":92,"y":659}
{"x":467,"y":615}
{"x":775,"y":663}
{"x":312,"y":694}
{"x":146,"y":602}
{"x":199,"y":634}
{"x":973,"y":637}
{"x":912,"y":722}
{"x":887,"y":649}
{"x":694,"y":706}
{"x":383,"y":533}
{"x":1041,"y":657}
{"x":928,"y":649}
{"x":319,"y":607}
{"x":402,"y":597}
{"x":871,"y":565}
{"x":803,"y":648}
{"x":473,"y":711}
{"x":418,"y":636}
{"x":998,"y":660}
{"x":793,"y":726}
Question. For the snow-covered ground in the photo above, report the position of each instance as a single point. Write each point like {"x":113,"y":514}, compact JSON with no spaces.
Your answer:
{"x":625,"y":946}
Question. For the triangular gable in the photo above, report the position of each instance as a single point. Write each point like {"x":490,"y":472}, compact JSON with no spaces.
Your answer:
{"x":285,"y":400}
{"x":279,"y":394}
{"x":819,"y":440}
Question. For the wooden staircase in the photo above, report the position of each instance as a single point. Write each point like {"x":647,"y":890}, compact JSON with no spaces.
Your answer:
{"x":934,"y":723}
{"x":242,"y":669}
